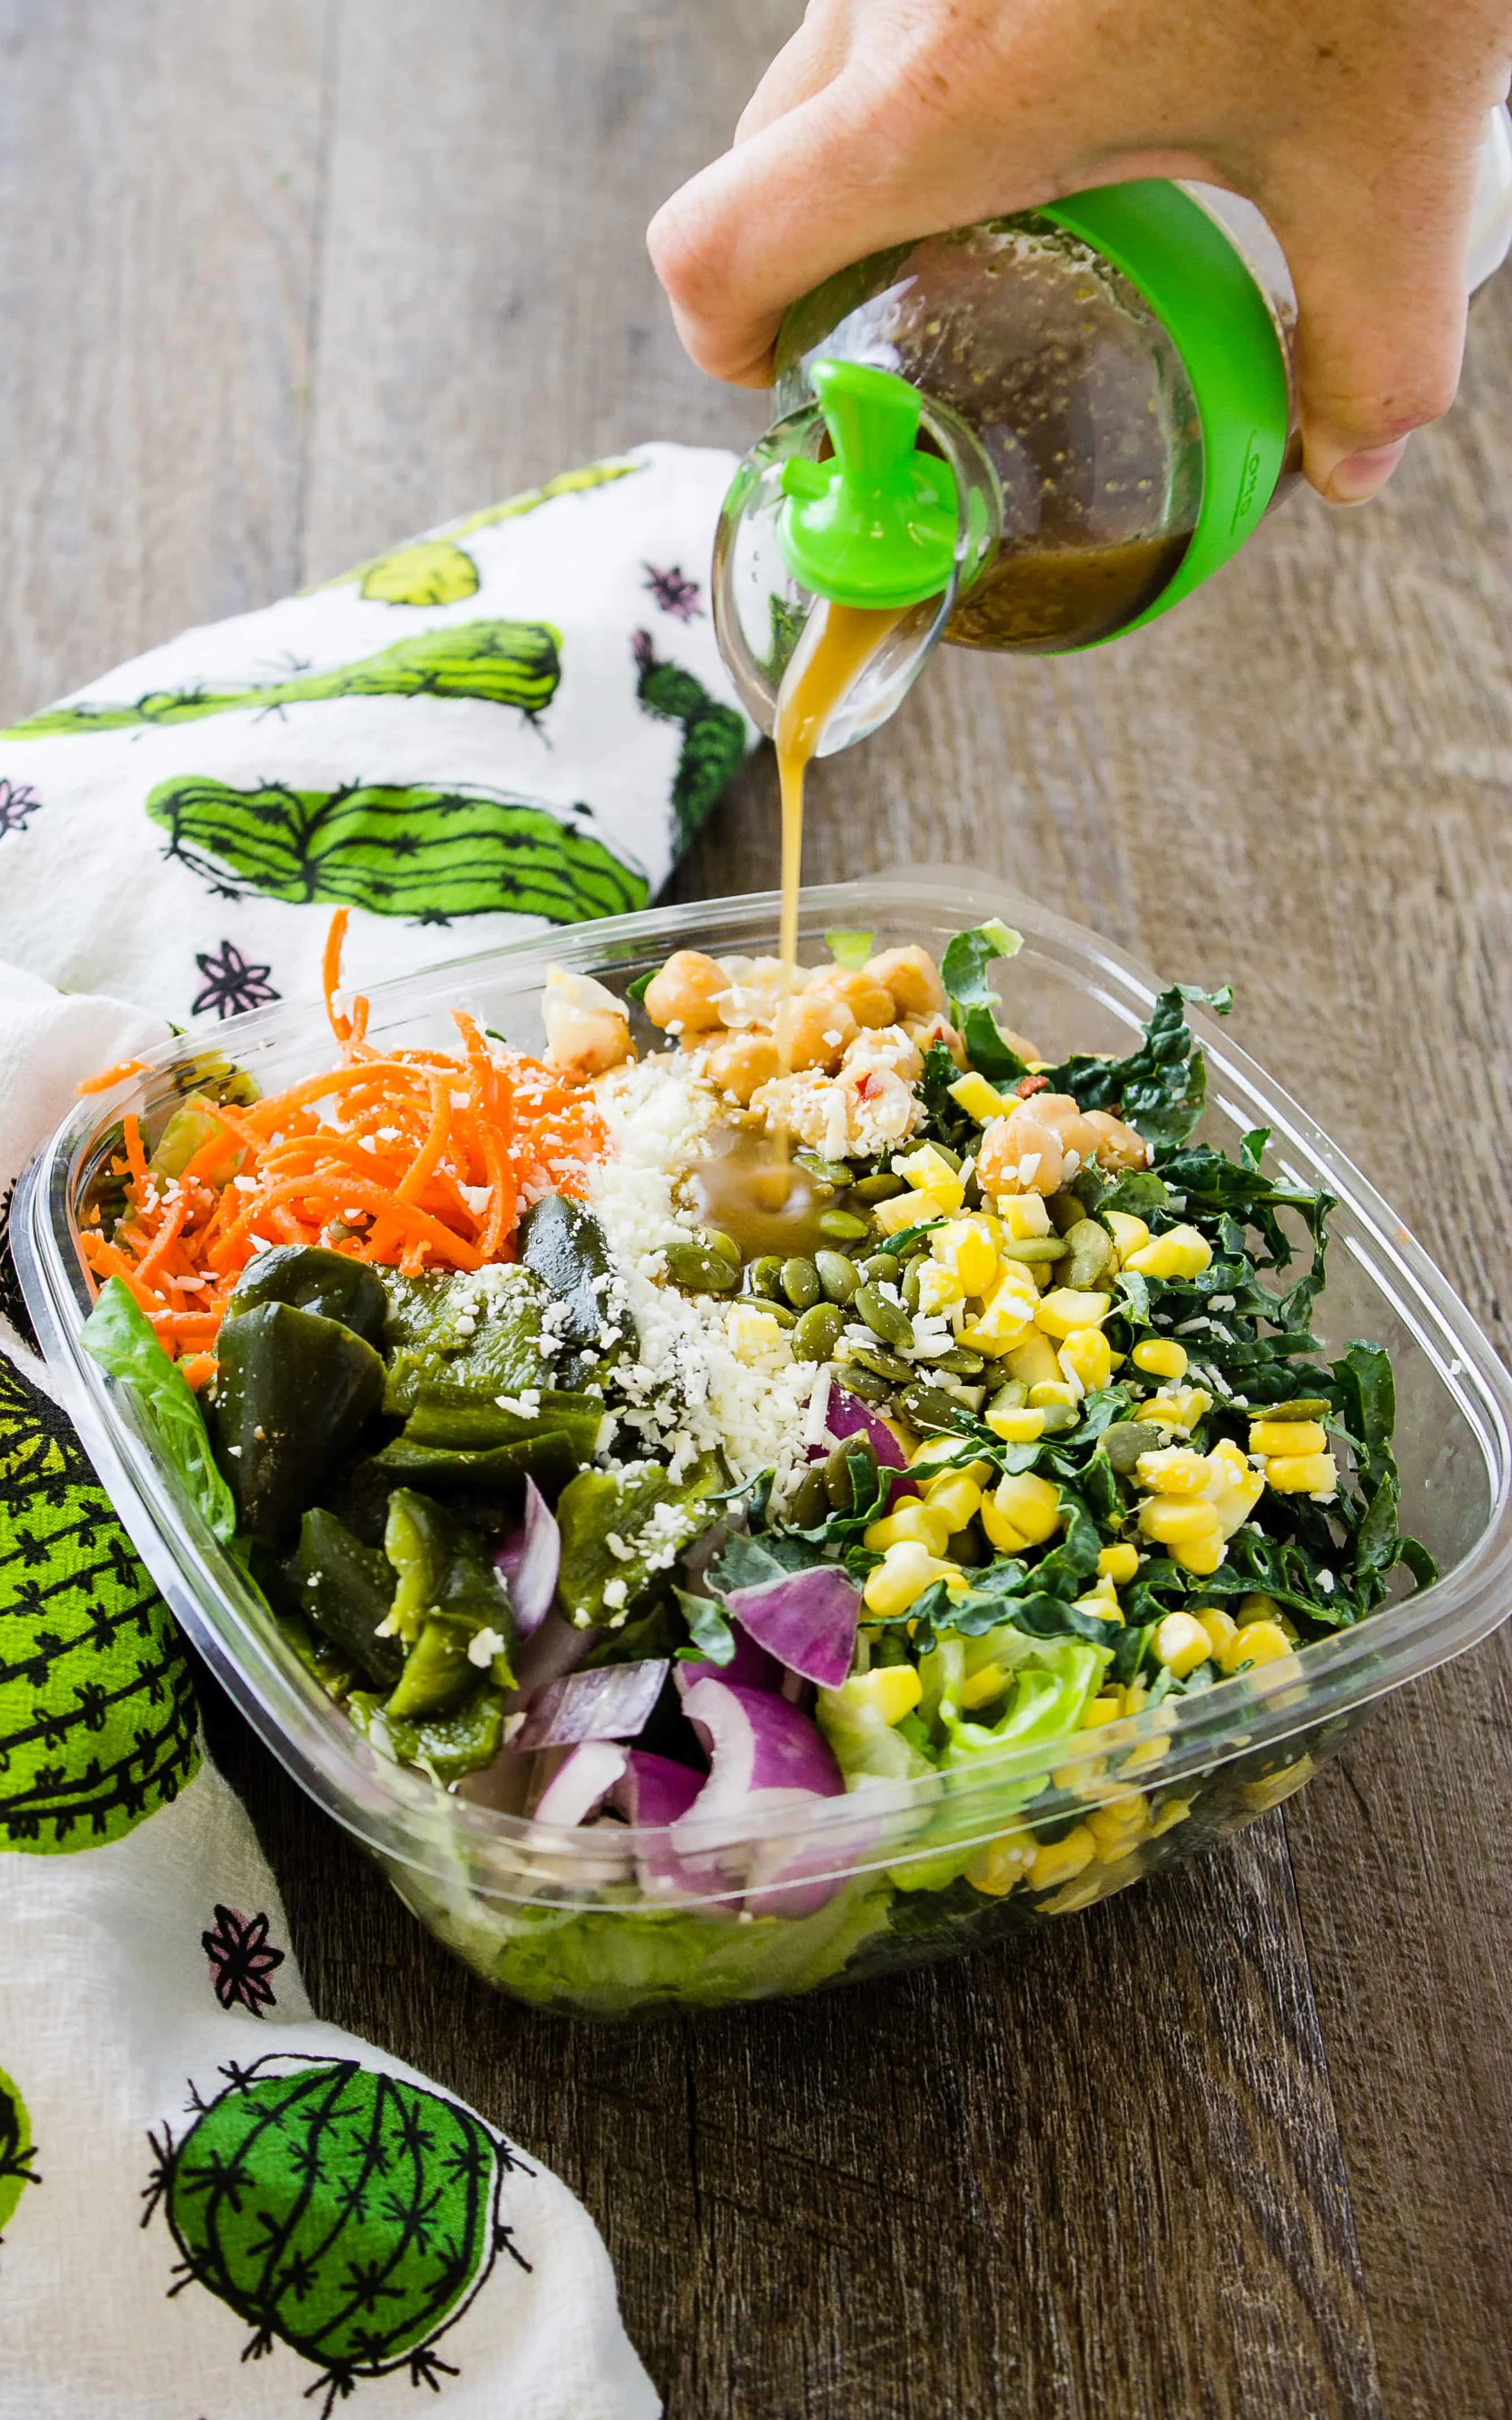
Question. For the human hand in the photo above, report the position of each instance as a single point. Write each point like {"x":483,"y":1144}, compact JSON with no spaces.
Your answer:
{"x":1353,"y":124}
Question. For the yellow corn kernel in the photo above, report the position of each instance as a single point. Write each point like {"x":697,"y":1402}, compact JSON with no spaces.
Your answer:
{"x":1159,"y":1356}
{"x":1172,"y":1523}
{"x":1087,"y":1357}
{"x":1181,"y":1253}
{"x":1005,"y":1861}
{"x":973,"y":1093}
{"x":939,"y":1289}
{"x":1273,"y":1787}
{"x":1002,"y":1321}
{"x":1024,"y":1216}
{"x":752,"y":1334}
{"x":966,"y":1248}
{"x":1182,"y":1644}
{"x":1259,"y":1642}
{"x":891,"y":1690}
{"x":1103,"y":1600}
{"x":1065,"y":1308}
{"x":1302,"y":1474}
{"x":983,"y":1686}
{"x":1121,"y":1825}
{"x":1064,"y":1392}
{"x":1174,"y":1470}
{"x":1104,"y":1711}
{"x":1172,"y":1811}
{"x":1021,"y":1427}
{"x":954,"y":1496}
{"x":1056,"y":1861}
{"x":1129,"y":1234}
{"x":1023,"y":1511}
{"x":904,"y":1574}
{"x":1032,"y":1361}
{"x":928,"y":1171}
{"x":903,"y":1210}
{"x":1219,"y":1626}
{"x":1178,"y":1407}
{"x":1235,"y":1489}
{"x":1288,"y":1436}
{"x":1255,"y":1605}
{"x":1117,"y":1564}
{"x":912,"y":1524}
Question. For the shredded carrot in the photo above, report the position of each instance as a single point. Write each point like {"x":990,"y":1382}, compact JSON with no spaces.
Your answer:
{"x":412,"y":1159}
{"x":109,"y":1076}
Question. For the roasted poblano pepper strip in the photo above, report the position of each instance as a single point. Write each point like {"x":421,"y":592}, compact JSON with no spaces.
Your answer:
{"x":486,"y":1476}
{"x":271,"y":1575}
{"x":450,"y":1744}
{"x":564,"y":1245}
{"x":600,"y":1502}
{"x":447,"y":1593}
{"x":293,"y":1392}
{"x":445,"y":1417}
{"x":478,"y":1332}
{"x":315,"y":1280}
{"x":345,"y":1590}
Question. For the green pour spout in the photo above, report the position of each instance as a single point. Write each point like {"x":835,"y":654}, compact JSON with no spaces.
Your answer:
{"x":876,"y":525}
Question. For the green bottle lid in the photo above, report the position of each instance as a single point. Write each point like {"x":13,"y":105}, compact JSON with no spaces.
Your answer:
{"x":1197,"y":283}
{"x":877,"y":524}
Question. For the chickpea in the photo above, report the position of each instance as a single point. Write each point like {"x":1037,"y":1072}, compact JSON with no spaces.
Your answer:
{"x":741,"y":1063}
{"x":821,"y":1029}
{"x":868,"y":1002}
{"x":684,"y":992}
{"x":587,"y":1030}
{"x":922,"y":1031}
{"x":1117,"y":1145}
{"x":1059,"y":1111}
{"x":1009,"y":1143}
{"x":913,"y":978}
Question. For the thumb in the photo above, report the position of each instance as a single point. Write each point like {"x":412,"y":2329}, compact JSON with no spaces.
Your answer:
{"x":1381,"y":300}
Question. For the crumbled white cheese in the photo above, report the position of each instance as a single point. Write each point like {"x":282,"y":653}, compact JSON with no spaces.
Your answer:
{"x":615,"y":1592}
{"x":482,"y":1647}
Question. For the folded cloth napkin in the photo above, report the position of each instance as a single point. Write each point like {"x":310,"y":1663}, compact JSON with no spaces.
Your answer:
{"x":209,"y":2201}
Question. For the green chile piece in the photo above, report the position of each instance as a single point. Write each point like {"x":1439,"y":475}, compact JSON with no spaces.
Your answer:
{"x":451,"y":1440}
{"x":599,"y":1502}
{"x":1126,"y":1440}
{"x":564,"y":1245}
{"x":446,"y":1591}
{"x":1091,"y":1252}
{"x":485,"y":1476}
{"x":346,"y":1589}
{"x":817,"y":1334}
{"x":883,"y":1318}
{"x":293,"y":1392}
{"x":699,"y":1269}
{"x":315,"y":1280}
{"x":462,"y":1740}
{"x":446,"y":1328}
{"x":839,"y":1277}
{"x":800,"y":1282}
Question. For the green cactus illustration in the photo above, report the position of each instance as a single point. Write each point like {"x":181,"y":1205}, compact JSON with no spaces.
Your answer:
{"x":433,"y":571}
{"x":345,"y":2212}
{"x":505,"y":663}
{"x":396,"y":851}
{"x":17,"y":2150}
{"x":714,"y":736}
{"x":97,"y":1711}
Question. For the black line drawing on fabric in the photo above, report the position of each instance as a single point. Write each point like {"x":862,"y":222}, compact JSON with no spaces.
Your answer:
{"x":17,"y":2150}
{"x":241,"y":1959}
{"x":412,"y":850}
{"x":18,"y":800}
{"x":342,"y":2212}
{"x":232,"y":984}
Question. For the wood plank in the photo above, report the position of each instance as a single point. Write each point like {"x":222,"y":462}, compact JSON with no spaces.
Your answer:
{"x":158,"y":214}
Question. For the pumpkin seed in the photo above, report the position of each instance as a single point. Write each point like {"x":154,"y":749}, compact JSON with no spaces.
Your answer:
{"x":883,"y":1318}
{"x":1126,"y":1440}
{"x":871,"y":1389}
{"x":844,"y":1226}
{"x":883,"y":1268}
{"x":817,"y":1332}
{"x":800,"y":1282}
{"x":1010,"y":1397}
{"x":698,"y":1270}
{"x":765,"y":1276}
{"x":1032,"y":1248}
{"x":1300,"y":1407}
{"x":1065,"y":1210}
{"x":830,"y":1171}
{"x":910,"y":1284}
{"x":839,"y":1485}
{"x":930,"y":1407}
{"x":959,"y":1361}
{"x":881,"y":1363}
{"x":1090,"y":1253}
{"x":839,"y":1277}
{"x":716,"y":1240}
{"x":883,"y":1187}
{"x":810,"y":1503}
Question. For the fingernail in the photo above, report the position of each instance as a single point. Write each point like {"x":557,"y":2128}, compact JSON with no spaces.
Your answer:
{"x":1360,"y":476}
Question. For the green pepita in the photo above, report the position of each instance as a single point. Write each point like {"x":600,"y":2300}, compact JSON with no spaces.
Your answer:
{"x":1127,"y":1440}
{"x":810,"y":1502}
{"x":698,"y":1270}
{"x":1090,"y":1254}
{"x":883,"y":1318}
{"x":883,"y":1187}
{"x":883,"y":1268}
{"x":839,"y":1277}
{"x":765,"y":1276}
{"x":800,"y":1282}
{"x":881,"y":1363}
{"x":817,"y":1334}
{"x":844,"y":1226}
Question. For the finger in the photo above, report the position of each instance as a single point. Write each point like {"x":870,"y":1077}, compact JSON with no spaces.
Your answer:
{"x":811,"y":59}
{"x":1381,"y":296}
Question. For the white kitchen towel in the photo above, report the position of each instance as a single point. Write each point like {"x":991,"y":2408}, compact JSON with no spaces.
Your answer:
{"x":211,"y":2203}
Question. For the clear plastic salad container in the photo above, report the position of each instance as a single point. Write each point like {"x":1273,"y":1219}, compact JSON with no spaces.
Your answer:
{"x":604,"y":1922}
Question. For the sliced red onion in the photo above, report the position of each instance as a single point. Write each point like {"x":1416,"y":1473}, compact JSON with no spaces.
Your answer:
{"x":611,"y":1703}
{"x":807,"y":1620}
{"x":582,"y":1783}
{"x":764,"y":1756}
{"x":653,"y":1794}
{"x":750,"y":1667}
{"x":848,"y":1417}
{"x":558,"y":1647}
{"x":529,"y":1562}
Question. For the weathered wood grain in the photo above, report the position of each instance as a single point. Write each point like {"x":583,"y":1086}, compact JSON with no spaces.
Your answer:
{"x":284,"y":280}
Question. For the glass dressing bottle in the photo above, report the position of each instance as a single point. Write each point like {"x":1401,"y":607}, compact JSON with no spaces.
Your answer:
{"x":1106,"y":397}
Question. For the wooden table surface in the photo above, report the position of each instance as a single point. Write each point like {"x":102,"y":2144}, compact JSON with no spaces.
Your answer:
{"x":284,"y":280}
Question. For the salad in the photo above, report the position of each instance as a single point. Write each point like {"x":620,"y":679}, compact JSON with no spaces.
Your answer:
{"x":685,"y":1436}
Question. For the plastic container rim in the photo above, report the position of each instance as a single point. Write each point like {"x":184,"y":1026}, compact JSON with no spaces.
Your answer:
{"x":370,"y":1796}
